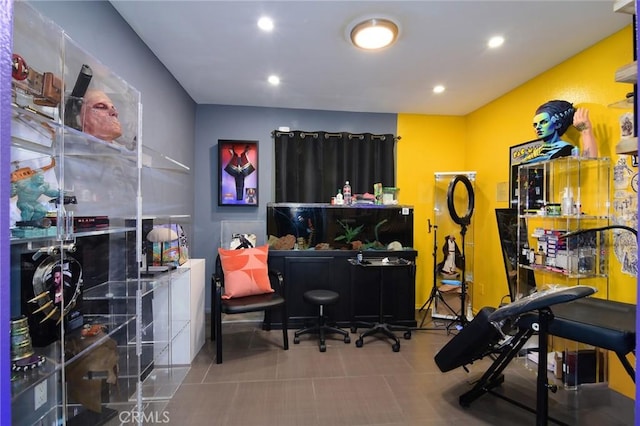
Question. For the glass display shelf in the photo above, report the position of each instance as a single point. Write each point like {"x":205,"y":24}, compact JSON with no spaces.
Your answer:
{"x":163,"y":279}
{"x":163,"y":383}
{"x":24,"y":381}
{"x":576,"y":184}
{"x":32,"y":132}
{"x":55,"y":239}
{"x":555,"y":198}
{"x":128,"y":289}
{"x":128,"y":370}
{"x":582,"y":216}
{"x":111,"y":324}
{"x":177,"y":327}
{"x":37,"y":134}
{"x":152,"y":159}
{"x":112,"y":290}
{"x":96,"y":229}
{"x":562,"y":272}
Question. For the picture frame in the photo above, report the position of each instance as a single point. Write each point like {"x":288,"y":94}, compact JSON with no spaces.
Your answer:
{"x":237,"y":173}
{"x":517,"y":155}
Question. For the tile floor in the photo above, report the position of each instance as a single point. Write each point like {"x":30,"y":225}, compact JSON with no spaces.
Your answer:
{"x":260,"y":384}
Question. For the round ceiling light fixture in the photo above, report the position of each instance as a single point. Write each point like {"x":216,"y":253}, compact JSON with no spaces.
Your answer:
{"x":274,"y":80}
{"x":374,"y":33}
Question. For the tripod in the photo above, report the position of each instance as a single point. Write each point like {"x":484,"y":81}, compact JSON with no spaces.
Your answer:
{"x":435,"y":292}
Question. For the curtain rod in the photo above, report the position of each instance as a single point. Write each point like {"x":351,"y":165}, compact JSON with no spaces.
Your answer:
{"x":360,"y":136}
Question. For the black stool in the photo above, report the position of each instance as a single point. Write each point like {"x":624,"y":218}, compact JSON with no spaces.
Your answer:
{"x":321,"y":298}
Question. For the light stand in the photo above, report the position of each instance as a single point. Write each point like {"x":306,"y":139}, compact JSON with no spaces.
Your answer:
{"x":464,"y":222}
{"x":462,"y":318}
{"x":435,"y":292}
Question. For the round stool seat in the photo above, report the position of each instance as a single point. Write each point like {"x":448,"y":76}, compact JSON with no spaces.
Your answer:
{"x":320,"y":297}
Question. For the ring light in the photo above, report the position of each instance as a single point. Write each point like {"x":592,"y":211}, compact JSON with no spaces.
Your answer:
{"x":466,"y":219}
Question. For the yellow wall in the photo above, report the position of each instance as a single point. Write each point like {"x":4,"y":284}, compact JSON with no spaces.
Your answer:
{"x":480,"y":141}
{"x":428,"y":144}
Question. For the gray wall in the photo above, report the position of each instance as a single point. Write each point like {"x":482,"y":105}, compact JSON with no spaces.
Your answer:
{"x":168,"y":113}
{"x":215,"y":122}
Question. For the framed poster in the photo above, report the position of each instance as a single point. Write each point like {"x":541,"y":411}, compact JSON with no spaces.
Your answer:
{"x":237,"y":173}
{"x":517,"y":156}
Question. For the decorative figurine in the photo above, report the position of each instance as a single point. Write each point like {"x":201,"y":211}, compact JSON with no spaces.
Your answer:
{"x":29,"y":185}
{"x":23,"y":358}
{"x":453,"y":258}
{"x":551,"y":121}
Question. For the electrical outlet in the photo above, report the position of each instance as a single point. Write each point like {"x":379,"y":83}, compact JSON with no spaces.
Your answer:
{"x":40,"y":395}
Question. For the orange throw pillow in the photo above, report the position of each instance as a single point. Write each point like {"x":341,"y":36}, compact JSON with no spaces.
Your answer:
{"x":245,"y":272}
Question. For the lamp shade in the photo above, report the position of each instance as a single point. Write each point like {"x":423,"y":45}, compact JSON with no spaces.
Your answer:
{"x":162,"y":235}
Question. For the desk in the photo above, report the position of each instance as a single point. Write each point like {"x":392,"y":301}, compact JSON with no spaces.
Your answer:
{"x":306,"y":270}
{"x":381,"y":326}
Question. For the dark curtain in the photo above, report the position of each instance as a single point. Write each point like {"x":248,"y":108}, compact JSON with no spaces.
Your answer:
{"x":312,"y":166}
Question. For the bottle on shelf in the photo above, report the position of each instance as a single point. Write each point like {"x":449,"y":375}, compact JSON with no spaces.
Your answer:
{"x":540,"y":257}
{"x":524,"y":254}
{"x":567,"y":202}
{"x":346,"y":193}
{"x":339,"y":198}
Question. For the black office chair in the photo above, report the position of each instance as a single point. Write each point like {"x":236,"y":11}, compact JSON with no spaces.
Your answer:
{"x":321,"y":298}
{"x":239,"y":305}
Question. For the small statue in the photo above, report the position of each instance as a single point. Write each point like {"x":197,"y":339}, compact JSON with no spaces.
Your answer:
{"x":453,"y":258}
{"x":29,"y":191}
{"x":551,"y":121}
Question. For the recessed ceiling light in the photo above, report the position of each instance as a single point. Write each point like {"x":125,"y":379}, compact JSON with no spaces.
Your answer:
{"x":274,"y":80}
{"x":374,"y":33}
{"x":265,"y":23}
{"x":438,"y":89}
{"x":495,"y":42}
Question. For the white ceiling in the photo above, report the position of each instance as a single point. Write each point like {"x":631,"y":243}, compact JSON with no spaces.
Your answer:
{"x":217,"y":53}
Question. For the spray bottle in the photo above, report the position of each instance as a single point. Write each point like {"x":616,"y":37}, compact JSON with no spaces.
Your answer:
{"x":567,"y":202}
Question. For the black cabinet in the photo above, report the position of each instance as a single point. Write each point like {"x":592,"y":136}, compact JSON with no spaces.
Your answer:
{"x":305,"y":270}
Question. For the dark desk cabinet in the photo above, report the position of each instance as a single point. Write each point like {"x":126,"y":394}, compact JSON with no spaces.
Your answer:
{"x":358,"y":287}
